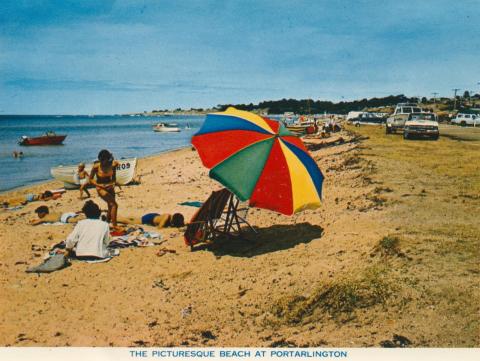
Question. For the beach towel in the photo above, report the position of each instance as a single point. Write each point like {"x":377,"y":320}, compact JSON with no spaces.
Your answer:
{"x":66,"y":216}
{"x":191,"y":204}
{"x":13,"y":208}
{"x":53,"y":263}
{"x":112,"y":253}
{"x":136,"y":238}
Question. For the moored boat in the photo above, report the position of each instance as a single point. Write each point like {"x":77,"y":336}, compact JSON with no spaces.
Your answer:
{"x":165,"y":127}
{"x":49,"y":138}
{"x":125,"y":172}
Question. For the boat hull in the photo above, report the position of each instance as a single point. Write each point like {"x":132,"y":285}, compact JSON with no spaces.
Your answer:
{"x":166,"y":130}
{"x":125,"y":173}
{"x":44,"y":140}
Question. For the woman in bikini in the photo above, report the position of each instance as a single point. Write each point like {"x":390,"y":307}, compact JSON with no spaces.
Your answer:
{"x":103,"y":177}
{"x":155,"y":219}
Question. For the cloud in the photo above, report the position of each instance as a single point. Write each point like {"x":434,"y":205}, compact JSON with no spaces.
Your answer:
{"x":32,"y":84}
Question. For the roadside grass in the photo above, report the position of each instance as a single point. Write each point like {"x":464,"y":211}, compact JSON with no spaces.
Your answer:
{"x":436,"y":191}
{"x":423,"y":276}
{"x":457,"y":161}
{"x":428,"y":266}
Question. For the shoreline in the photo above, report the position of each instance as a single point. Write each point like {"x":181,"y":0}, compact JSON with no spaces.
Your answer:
{"x":53,"y":180}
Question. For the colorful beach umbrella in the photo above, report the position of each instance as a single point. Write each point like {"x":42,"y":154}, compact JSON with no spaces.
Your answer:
{"x":259,"y":160}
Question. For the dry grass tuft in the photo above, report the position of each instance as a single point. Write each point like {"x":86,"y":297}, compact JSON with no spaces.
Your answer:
{"x":340,"y":299}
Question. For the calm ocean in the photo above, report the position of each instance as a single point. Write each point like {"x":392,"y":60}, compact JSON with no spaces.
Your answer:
{"x":124,"y":136}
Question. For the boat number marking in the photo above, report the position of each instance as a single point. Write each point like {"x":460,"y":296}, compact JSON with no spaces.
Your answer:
{"x":123,"y":166}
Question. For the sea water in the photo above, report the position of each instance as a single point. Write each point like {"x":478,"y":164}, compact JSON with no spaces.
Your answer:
{"x":124,"y":136}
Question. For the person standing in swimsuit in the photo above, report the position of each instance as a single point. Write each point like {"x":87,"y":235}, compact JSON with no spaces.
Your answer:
{"x":103,"y":177}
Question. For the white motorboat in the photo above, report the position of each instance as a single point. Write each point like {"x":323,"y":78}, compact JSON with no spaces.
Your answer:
{"x":125,"y":172}
{"x":166,"y":127}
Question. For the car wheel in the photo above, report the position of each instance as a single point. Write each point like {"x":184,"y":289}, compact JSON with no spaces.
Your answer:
{"x":435,"y":137}
{"x":463,"y":124}
{"x":387,"y":130}
{"x":405,"y":136}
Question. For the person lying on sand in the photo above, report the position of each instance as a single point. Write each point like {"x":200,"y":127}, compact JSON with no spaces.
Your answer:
{"x":155,"y":219}
{"x":91,"y":236}
{"x":19,"y":201}
{"x":44,"y":216}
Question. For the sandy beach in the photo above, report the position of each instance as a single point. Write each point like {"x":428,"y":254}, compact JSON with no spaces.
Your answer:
{"x":392,"y":251}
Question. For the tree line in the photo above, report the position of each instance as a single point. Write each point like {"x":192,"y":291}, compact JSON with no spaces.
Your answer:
{"x":309,"y":106}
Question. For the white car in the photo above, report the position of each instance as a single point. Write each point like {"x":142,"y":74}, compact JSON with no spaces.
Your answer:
{"x":397,"y":120}
{"x":421,"y":125}
{"x":466,"y":119}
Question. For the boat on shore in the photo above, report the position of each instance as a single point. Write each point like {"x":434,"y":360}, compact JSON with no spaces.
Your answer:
{"x":49,"y":138}
{"x":166,"y":127}
{"x":125,"y":173}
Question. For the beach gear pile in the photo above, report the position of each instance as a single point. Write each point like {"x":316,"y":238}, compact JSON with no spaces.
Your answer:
{"x":55,"y":260}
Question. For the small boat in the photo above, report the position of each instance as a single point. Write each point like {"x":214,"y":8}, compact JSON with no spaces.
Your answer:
{"x":125,"y":172}
{"x":297,"y":130}
{"x":49,"y":138}
{"x":165,"y":127}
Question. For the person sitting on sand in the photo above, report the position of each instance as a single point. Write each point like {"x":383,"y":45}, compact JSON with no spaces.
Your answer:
{"x":155,"y":219}
{"x":91,"y":236}
{"x":20,"y":201}
{"x":103,"y":177}
{"x":82,"y":178}
{"x":44,"y":216}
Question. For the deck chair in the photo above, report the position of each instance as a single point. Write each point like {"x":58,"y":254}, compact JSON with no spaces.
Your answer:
{"x":219,"y":215}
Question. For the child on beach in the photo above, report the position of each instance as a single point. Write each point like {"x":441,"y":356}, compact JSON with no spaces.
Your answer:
{"x":44,"y":216}
{"x":82,"y":179}
{"x":156,"y":220}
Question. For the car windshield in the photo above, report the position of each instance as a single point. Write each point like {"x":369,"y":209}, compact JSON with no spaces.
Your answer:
{"x":417,"y":110}
{"x":422,"y":116}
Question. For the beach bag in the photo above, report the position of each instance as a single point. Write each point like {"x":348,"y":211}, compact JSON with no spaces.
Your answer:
{"x":51,"y":264}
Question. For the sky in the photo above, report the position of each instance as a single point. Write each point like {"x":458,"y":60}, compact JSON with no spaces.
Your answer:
{"x":107,"y":57}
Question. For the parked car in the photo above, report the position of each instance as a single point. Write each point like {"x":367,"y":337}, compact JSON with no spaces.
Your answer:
{"x":367,"y":118}
{"x":421,"y":125}
{"x":402,"y":111}
{"x":466,"y":119}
